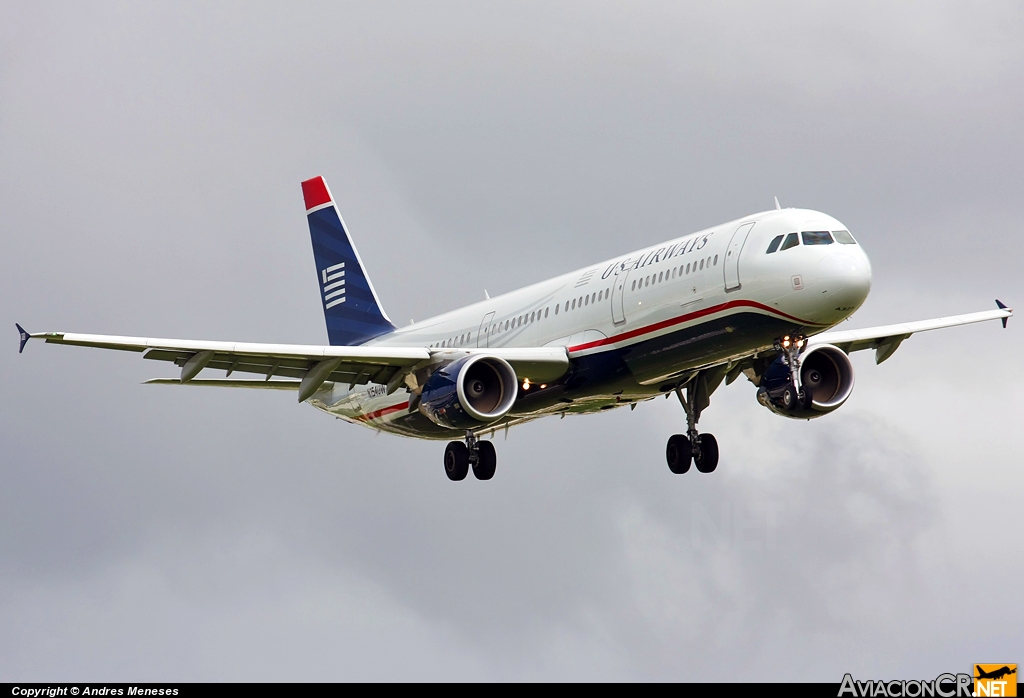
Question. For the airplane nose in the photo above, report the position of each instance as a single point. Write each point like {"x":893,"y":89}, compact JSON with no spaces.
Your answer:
{"x":847,"y":273}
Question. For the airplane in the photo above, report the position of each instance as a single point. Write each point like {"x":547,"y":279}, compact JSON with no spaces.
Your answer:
{"x":996,"y":674}
{"x":754,"y":297}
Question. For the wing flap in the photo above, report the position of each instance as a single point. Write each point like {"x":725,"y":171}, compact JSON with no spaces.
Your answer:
{"x":539,"y":364}
{"x":358,"y":365}
{"x":229,"y":383}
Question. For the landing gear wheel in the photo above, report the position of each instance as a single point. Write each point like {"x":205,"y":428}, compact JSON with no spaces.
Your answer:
{"x":789,"y":397}
{"x":456,"y":460}
{"x":678,"y":453}
{"x":486,"y":461}
{"x":706,"y":457}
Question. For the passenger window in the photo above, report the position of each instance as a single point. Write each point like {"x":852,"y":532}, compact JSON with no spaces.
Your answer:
{"x":633,"y":288}
{"x":659,"y":277}
{"x":547,"y":310}
{"x":702,"y":264}
{"x":792,"y":240}
{"x":716,"y":260}
{"x":774,"y":245}
{"x":687,"y":267}
{"x":574,"y":304}
{"x":843,"y":237}
{"x":586,"y":300}
{"x":817,"y":237}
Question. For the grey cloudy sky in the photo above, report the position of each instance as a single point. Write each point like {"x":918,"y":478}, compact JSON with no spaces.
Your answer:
{"x":150,"y":159}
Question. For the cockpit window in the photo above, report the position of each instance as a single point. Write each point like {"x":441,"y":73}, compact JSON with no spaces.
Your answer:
{"x":843,"y":237}
{"x":775,"y":244}
{"x":792,"y":240}
{"x":817,"y":237}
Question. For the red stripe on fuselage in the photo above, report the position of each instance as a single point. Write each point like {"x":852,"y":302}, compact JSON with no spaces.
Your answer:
{"x":381,"y":412}
{"x":685,"y":318}
{"x":314,"y":192}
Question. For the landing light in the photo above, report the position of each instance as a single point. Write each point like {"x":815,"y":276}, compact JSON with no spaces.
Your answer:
{"x":526,"y":384}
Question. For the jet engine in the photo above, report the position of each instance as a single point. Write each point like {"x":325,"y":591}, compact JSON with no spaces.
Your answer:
{"x":473,"y":391}
{"x":826,"y":381}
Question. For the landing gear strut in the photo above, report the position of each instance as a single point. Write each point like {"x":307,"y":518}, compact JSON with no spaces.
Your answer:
{"x":794,"y":395}
{"x":701,"y":449}
{"x":459,"y":456}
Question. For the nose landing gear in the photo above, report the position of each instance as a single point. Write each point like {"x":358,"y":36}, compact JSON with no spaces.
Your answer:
{"x":459,"y":456}
{"x":795,"y":395}
{"x":701,"y":449}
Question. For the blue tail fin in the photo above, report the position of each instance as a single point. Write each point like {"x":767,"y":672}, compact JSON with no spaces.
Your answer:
{"x":354,"y":314}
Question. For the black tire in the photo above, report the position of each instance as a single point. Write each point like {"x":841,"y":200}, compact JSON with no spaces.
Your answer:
{"x":456,"y":461}
{"x":678,"y":453}
{"x":486,"y":462}
{"x":789,"y":397}
{"x":706,"y":458}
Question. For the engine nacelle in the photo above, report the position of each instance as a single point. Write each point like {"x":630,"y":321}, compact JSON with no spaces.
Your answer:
{"x":826,"y":377}
{"x":470,"y":392}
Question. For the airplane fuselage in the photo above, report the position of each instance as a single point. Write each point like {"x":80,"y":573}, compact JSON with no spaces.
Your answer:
{"x":634,"y":325}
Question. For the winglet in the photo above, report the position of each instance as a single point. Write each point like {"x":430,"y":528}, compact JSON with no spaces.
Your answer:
{"x":24,"y":337}
{"x":1001,"y":307}
{"x":777,"y":207}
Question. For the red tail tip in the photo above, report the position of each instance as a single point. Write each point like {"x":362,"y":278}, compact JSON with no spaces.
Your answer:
{"x":315,"y":193}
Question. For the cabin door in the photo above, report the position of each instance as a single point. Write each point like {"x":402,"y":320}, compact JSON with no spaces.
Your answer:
{"x":732,"y":257}
{"x":619,"y":298}
{"x":483,"y":337}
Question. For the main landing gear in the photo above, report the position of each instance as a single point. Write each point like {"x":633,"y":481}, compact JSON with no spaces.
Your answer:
{"x":700,"y":449}
{"x":459,"y":456}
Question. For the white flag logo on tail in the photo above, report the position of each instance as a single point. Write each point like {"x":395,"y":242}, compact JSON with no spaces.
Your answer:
{"x":334,"y":285}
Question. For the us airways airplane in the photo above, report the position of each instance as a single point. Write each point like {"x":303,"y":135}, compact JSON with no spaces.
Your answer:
{"x":753,"y":297}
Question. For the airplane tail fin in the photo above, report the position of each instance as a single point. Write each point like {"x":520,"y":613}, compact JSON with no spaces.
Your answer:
{"x":351,"y":308}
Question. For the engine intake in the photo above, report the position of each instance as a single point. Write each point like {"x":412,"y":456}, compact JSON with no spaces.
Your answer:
{"x":470,"y":392}
{"x":826,"y":377}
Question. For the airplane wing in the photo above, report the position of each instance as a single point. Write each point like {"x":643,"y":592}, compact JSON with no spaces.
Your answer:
{"x":308,"y":365}
{"x":887,"y":339}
